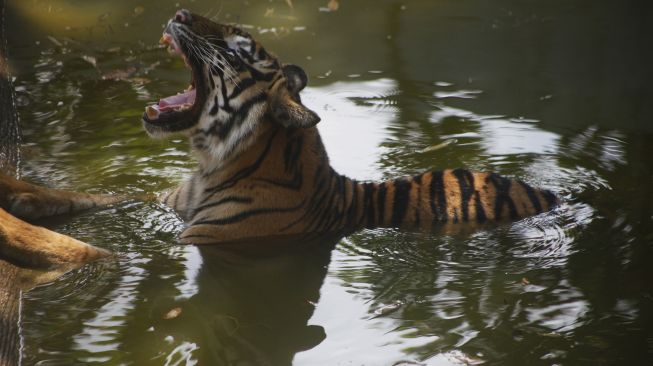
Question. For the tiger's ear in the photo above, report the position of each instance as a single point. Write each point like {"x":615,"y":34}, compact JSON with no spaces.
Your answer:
{"x":287,"y":107}
{"x":296,"y":78}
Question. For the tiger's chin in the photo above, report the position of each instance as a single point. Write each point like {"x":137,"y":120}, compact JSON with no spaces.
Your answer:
{"x":156,"y":132}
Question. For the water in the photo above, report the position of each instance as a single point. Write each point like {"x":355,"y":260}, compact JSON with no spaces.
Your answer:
{"x":556,"y":93}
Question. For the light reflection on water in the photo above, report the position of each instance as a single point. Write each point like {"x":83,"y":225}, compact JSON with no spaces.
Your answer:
{"x":339,"y":105}
{"x":503,"y":294}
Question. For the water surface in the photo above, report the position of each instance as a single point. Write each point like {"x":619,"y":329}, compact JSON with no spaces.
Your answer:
{"x":555,"y":93}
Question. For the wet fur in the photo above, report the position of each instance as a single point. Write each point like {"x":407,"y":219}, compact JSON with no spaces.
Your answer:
{"x":263,"y":170}
{"x":32,"y":246}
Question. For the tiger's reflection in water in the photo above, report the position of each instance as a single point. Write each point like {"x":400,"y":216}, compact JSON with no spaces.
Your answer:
{"x":253,"y":303}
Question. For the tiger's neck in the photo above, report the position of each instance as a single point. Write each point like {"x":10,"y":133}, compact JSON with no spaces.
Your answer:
{"x":270,"y":151}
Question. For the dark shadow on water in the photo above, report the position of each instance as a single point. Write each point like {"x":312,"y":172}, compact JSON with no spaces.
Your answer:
{"x":253,"y":303}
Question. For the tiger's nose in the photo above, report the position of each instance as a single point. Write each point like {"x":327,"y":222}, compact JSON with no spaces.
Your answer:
{"x":183,"y":16}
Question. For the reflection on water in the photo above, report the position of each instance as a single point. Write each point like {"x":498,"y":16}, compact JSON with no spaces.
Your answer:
{"x":244,"y":305}
{"x":346,"y":106}
{"x":534,"y":91}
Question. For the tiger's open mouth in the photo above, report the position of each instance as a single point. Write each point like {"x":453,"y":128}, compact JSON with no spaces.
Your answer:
{"x":181,"y":101}
{"x":180,"y":111}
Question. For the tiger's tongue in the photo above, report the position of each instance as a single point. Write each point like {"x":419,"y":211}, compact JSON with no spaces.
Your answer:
{"x":178,"y":100}
{"x":171,"y":103}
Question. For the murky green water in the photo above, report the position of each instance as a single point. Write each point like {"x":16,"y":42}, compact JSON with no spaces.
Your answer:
{"x":557,"y":93}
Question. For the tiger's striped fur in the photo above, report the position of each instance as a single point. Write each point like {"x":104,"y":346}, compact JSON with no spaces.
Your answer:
{"x":31,"y":202}
{"x":263,"y":170}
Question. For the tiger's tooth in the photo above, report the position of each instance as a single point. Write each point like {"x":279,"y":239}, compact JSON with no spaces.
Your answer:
{"x":152,"y":113}
{"x":165,"y":39}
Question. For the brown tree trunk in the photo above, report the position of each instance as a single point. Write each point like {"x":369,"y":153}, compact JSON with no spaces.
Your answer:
{"x":9,"y":130}
{"x":9,"y":139}
{"x":9,"y":315}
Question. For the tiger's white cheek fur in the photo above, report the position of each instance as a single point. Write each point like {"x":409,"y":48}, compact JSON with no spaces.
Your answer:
{"x":240,"y":42}
{"x":210,"y":148}
{"x":234,"y":143}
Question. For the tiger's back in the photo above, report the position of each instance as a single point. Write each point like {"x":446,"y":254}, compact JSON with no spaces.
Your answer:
{"x":286,"y":186}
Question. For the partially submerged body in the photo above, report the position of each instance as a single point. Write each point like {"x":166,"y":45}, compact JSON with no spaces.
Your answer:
{"x":263,"y":170}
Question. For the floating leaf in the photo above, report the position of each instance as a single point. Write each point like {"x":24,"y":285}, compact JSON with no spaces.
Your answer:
{"x":141,"y":81}
{"x":390,"y":308}
{"x":119,"y":74}
{"x":172,"y":313}
{"x":438,"y":146}
{"x":333,"y":5}
{"x":55,"y":41}
{"x":104,"y":16}
{"x":138,"y":10}
{"x":461,"y":358}
{"x":90,"y":59}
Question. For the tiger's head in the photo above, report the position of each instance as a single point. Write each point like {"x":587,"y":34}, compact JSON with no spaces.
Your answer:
{"x":236,"y":86}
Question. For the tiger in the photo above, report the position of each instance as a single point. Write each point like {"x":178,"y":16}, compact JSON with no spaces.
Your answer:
{"x":263,"y":170}
{"x":32,"y":246}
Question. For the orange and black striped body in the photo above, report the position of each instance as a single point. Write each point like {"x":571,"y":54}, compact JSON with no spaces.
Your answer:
{"x":263,"y":170}
{"x":286,"y":186}
{"x":449,"y":196}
